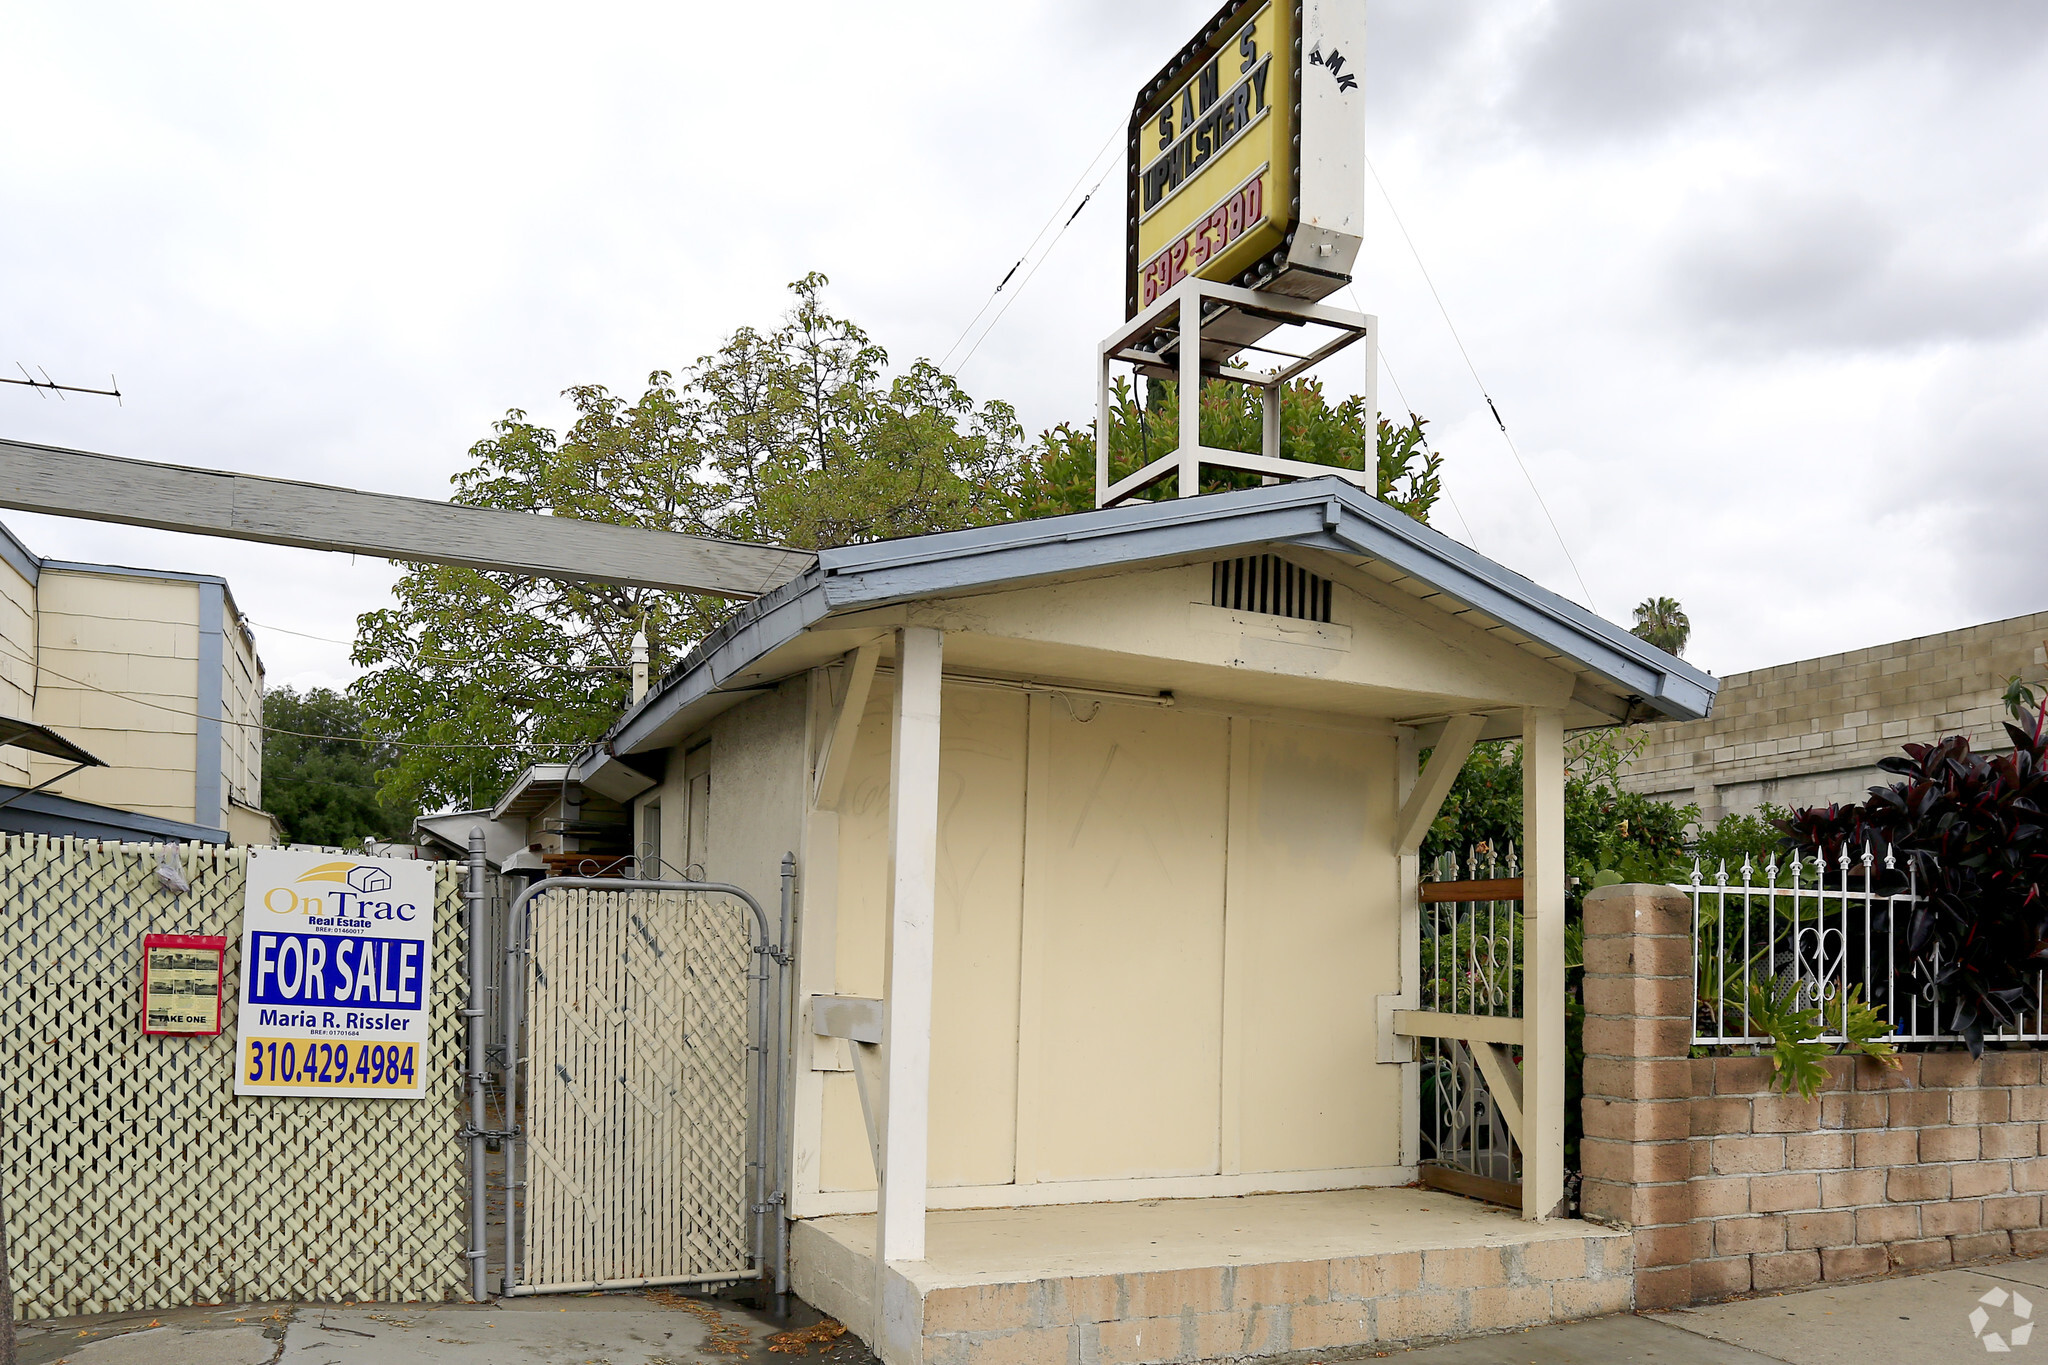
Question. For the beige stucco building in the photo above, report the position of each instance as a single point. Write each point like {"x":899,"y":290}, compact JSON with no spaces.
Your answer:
{"x":1810,"y":733}
{"x":155,"y":674}
{"x":1106,"y":832}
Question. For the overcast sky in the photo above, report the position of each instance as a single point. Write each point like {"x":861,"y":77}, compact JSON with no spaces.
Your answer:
{"x":1760,"y":288}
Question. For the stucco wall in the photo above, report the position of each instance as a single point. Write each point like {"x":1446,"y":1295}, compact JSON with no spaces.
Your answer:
{"x":1811,"y":732}
{"x":755,"y":793}
{"x":1159,"y":934}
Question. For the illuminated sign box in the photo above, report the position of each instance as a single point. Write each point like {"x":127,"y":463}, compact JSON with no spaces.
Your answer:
{"x":182,"y":977}
{"x":1247,"y":155}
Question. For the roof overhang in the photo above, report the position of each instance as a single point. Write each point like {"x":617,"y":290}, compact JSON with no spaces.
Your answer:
{"x":1620,"y":675}
{"x":531,"y":790}
{"x":41,"y":739}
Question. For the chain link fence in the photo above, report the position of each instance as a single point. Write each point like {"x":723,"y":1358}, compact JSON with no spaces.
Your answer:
{"x":134,"y":1179}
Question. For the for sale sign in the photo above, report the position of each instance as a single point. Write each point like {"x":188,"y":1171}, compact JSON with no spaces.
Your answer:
{"x":337,"y":975}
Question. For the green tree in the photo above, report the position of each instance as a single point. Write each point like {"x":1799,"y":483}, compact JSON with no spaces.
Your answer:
{"x":1662,"y":622}
{"x":324,"y":790}
{"x":1061,"y":476}
{"x":1610,"y":834}
{"x":794,"y":435}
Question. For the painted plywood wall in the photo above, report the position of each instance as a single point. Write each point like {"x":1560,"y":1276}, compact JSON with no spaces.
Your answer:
{"x":242,"y":707}
{"x":1159,"y":936}
{"x":120,"y":675}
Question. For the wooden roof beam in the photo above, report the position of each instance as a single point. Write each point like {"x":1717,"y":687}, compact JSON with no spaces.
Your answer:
{"x":311,"y":516}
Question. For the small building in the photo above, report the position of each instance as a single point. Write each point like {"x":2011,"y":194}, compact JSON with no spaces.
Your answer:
{"x":153,"y":672}
{"x":1106,"y":830}
{"x":1811,"y":733}
{"x":549,"y":822}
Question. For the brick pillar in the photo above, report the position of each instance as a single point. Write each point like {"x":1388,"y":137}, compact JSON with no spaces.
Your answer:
{"x":1636,"y":1157}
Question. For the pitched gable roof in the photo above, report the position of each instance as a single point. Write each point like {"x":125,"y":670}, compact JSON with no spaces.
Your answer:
{"x":1313,"y":514}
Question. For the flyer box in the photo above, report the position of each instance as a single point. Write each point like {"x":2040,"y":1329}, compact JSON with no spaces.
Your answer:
{"x":181,"y":983}
{"x":337,"y":976}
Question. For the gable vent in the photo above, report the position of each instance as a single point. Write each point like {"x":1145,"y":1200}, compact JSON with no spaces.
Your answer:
{"x":1271,"y":585}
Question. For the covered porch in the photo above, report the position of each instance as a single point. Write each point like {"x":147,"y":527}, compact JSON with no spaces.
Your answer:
{"x":1109,"y":933}
{"x":1206,"y":1279}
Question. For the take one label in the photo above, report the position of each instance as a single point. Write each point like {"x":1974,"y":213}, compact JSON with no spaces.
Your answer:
{"x":337,"y":976}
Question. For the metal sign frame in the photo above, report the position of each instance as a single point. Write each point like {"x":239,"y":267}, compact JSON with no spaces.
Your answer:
{"x":1209,"y":320}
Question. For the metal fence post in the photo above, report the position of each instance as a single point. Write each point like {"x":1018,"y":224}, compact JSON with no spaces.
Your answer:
{"x":7,"y":1356}
{"x":473,"y":898}
{"x":784,"y":1032}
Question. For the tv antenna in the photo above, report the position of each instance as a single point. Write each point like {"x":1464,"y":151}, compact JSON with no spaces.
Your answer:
{"x":46,"y":385}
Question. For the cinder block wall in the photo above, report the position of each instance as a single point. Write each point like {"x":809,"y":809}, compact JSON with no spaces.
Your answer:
{"x":1811,"y":732}
{"x":1729,"y":1186}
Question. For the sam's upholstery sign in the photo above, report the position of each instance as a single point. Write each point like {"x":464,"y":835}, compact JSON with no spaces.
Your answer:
{"x":1221,"y":139}
{"x":337,"y":974}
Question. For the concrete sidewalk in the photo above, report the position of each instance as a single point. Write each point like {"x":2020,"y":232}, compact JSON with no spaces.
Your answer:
{"x":1930,"y":1317}
{"x":1948,"y":1315}
{"x":652,"y":1327}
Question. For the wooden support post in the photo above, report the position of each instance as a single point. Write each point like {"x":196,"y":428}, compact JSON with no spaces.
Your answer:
{"x":837,"y":756}
{"x":1393,"y":1048}
{"x":1190,"y":395}
{"x":1446,"y":761}
{"x":907,"y":992}
{"x":1543,"y":962}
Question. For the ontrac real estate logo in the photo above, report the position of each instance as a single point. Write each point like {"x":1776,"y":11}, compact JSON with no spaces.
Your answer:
{"x":338,"y":891}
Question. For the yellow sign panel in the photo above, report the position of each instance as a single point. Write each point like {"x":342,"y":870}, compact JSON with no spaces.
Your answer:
{"x":1213,"y":180}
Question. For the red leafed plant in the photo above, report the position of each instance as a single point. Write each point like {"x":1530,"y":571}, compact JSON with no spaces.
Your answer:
{"x":1970,"y":829}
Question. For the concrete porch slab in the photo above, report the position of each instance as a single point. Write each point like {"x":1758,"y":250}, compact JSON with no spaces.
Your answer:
{"x":1271,"y":1276}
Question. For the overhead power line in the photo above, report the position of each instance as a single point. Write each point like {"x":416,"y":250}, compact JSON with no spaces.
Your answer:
{"x":444,"y":658}
{"x":1491,"y":407}
{"x":279,"y":730}
{"x":1115,"y":136}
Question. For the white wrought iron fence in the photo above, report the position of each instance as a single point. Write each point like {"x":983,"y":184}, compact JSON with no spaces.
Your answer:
{"x":1472,"y":949}
{"x":1820,"y":934}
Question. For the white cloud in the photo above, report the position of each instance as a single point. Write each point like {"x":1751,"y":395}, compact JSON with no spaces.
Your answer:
{"x":1759,"y":288}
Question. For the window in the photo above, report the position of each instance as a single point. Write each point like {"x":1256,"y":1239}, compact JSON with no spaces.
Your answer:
{"x":1272,"y":586}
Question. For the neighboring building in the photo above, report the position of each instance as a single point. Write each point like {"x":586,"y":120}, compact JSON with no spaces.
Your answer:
{"x":1810,"y":733}
{"x":154,"y":673}
{"x":550,"y":820}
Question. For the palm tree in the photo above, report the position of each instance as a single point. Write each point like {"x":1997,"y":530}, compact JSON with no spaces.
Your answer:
{"x":1661,"y":621}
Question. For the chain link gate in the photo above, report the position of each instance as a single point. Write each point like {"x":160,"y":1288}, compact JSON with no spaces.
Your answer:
{"x":647,"y":1084}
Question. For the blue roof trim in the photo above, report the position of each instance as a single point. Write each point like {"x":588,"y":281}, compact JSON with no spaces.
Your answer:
{"x":48,"y":813}
{"x":745,"y":636}
{"x":209,"y":735}
{"x":1323,"y":514}
{"x":125,"y":571}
